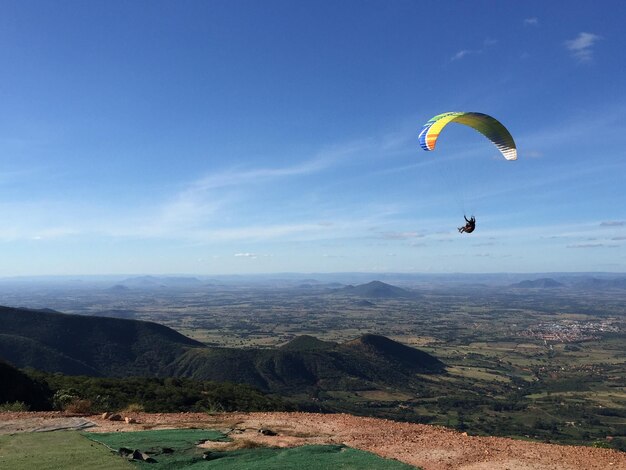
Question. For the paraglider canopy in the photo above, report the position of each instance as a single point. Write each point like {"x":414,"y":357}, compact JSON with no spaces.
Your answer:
{"x":486,"y":125}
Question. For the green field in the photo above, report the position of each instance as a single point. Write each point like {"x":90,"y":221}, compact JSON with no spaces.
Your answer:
{"x":67,"y":450}
{"x":172,"y":449}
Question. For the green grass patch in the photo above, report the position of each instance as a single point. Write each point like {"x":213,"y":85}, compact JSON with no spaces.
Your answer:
{"x":313,"y":457}
{"x":66,"y":450}
{"x":177,"y":449}
{"x":477,"y":373}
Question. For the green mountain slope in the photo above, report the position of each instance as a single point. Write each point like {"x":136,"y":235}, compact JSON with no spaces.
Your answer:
{"x":306,"y":364}
{"x":75,"y":344}
{"x":17,"y":386}
{"x":110,"y":347}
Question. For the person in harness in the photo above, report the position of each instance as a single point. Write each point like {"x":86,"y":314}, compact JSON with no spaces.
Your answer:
{"x":469,"y":226}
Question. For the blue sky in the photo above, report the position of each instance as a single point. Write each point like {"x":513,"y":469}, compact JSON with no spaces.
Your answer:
{"x":219,"y":137}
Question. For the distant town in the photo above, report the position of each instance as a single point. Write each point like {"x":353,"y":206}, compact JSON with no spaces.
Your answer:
{"x":571,"y":331}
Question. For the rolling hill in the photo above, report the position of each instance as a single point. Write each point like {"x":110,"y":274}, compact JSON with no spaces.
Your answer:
{"x":112,"y":347}
{"x":599,"y":284}
{"x":376,"y":290}
{"x":76,"y":344}
{"x":307,"y":364}
{"x":543,"y":283}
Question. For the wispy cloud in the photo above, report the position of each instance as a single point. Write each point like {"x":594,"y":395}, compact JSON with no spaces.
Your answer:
{"x":464,"y":52}
{"x":199,"y":209}
{"x":592,"y":245}
{"x":399,"y":235}
{"x":533,"y":21}
{"x":612,"y":223}
{"x":487,"y":43}
{"x":209,"y":209}
{"x":581,"y":47}
{"x":246,"y":255}
{"x":241,"y":176}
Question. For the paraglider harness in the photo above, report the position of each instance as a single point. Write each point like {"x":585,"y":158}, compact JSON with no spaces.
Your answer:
{"x":469,"y":226}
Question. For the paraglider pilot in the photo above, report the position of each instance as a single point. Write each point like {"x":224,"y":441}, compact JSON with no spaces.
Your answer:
{"x":469,"y":226}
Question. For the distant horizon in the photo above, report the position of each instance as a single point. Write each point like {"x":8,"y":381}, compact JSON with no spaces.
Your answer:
{"x":295,"y":274}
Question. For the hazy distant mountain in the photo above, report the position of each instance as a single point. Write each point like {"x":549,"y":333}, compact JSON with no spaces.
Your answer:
{"x":119,"y":288}
{"x":543,"y":283}
{"x":595,"y":283}
{"x":376,"y":290}
{"x":160,"y":281}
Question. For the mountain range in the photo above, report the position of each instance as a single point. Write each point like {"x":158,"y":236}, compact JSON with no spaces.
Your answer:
{"x":113,"y":347}
{"x":543,"y":283}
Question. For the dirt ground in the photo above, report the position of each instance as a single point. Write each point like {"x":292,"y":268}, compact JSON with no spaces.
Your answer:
{"x":430,"y":447}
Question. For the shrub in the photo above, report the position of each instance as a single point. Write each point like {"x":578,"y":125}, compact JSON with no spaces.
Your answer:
{"x":133,"y":408}
{"x":62,"y":398}
{"x":79,"y":406}
{"x":601,"y":444}
{"x":214,"y":406}
{"x":14,"y":406}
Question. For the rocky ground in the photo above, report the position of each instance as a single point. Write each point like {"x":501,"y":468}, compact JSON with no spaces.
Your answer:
{"x":430,"y":447}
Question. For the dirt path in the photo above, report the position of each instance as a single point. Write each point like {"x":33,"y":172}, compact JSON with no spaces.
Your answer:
{"x":431,"y":447}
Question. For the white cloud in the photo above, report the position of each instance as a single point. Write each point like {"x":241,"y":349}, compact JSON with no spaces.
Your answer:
{"x":246,"y":255}
{"x":237,"y":177}
{"x":487,"y":43}
{"x":534,"y":21}
{"x":612,"y":223}
{"x":463,"y":53}
{"x":582,"y":46}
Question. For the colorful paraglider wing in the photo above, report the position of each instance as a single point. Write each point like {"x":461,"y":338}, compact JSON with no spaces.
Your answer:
{"x":486,"y":125}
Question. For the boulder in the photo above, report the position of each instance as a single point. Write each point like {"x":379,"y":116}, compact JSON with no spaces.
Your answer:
{"x":267,"y":432}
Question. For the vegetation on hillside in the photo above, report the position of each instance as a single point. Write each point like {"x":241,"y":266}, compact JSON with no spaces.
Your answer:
{"x":84,"y":394}
{"x":77,"y":344}
{"x":19,"y":392}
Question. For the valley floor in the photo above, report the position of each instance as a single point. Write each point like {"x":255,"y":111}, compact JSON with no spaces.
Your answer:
{"x":429,"y":447}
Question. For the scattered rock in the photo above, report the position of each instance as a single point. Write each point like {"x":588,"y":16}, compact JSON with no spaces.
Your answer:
{"x":267,"y":432}
{"x":115,"y":417}
{"x":106,"y":415}
{"x":124,"y":451}
{"x":138,"y":455}
{"x":130,"y":420}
